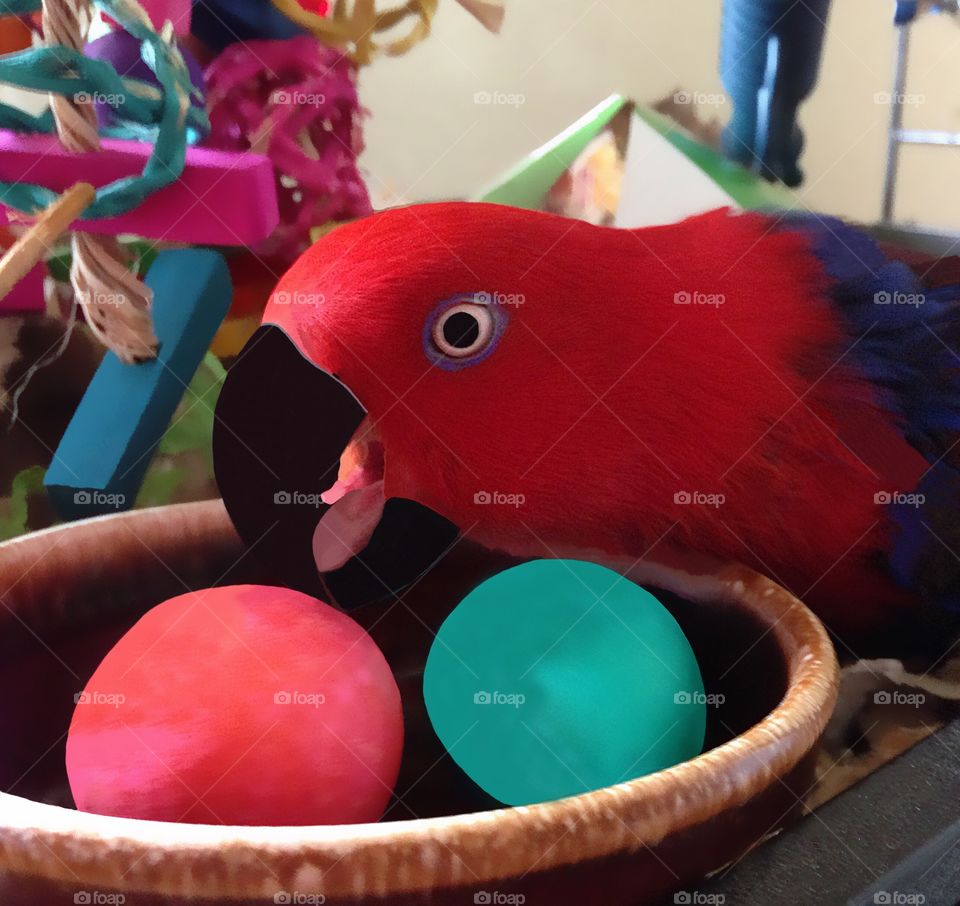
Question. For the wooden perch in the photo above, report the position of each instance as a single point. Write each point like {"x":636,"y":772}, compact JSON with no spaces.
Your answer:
{"x":40,"y":238}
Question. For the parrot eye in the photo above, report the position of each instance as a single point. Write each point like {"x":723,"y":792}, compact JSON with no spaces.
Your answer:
{"x":462,"y":331}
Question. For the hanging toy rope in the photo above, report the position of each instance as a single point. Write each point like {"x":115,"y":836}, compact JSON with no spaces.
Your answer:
{"x":116,"y":302}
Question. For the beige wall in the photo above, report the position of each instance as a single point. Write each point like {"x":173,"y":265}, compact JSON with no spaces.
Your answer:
{"x":428,"y":139}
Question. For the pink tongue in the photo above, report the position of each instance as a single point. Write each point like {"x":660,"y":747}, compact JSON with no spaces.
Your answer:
{"x":345,"y":529}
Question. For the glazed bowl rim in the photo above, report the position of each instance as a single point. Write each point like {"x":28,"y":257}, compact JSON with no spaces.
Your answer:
{"x":631,"y":815}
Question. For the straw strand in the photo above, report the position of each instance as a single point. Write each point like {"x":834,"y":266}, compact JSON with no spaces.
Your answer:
{"x":116,"y":302}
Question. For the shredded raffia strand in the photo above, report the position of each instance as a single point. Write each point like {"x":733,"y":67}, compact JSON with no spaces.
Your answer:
{"x":355,"y":26}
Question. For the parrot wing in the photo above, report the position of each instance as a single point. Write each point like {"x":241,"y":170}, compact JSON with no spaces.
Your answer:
{"x":905,"y":319}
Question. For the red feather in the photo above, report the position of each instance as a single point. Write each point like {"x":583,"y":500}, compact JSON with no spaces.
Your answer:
{"x":606,"y":398}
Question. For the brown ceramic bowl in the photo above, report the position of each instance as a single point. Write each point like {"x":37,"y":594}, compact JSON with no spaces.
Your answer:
{"x":68,"y":593}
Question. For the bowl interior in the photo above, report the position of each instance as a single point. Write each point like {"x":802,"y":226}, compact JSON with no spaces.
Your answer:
{"x":53,"y":635}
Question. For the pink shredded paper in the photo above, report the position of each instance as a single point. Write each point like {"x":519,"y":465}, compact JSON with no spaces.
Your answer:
{"x":295,"y":101}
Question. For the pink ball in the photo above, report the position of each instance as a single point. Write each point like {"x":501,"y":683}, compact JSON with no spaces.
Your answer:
{"x":246,"y":704}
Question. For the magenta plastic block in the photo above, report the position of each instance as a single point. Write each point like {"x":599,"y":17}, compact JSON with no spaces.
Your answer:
{"x":221,"y":198}
{"x":27,"y":296}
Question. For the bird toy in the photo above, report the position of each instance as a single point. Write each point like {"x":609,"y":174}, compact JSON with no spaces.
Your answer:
{"x":212,"y":124}
{"x":149,"y":181}
{"x":100,"y":272}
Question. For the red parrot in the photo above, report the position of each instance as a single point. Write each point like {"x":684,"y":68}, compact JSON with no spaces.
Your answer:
{"x":776,"y":390}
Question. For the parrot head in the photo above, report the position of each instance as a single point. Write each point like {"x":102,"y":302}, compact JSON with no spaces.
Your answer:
{"x":447,"y":355}
{"x":550,"y":388}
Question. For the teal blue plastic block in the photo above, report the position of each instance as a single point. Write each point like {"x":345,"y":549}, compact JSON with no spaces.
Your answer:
{"x":103,"y":456}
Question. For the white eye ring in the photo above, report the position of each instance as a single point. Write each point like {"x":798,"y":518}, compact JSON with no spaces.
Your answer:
{"x":456,"y":337}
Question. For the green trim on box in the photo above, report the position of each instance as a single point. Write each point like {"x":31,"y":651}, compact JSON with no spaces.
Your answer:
{"x":526,"y":184}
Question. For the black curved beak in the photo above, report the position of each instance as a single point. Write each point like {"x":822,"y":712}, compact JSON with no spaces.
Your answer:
{"x":281,"y":426}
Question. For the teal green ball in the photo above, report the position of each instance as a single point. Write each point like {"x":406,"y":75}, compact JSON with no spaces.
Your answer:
{"x":557,"y":677}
